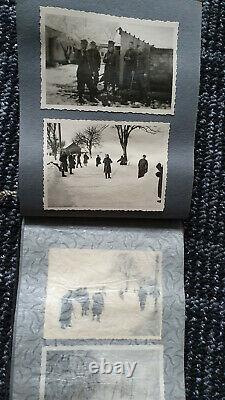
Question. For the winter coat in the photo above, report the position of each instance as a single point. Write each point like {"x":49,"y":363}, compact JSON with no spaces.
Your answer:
{"x":63,"y":160}
{"x":83,"y":62}
{"x":110,"y":60}
{"x":98,"y":304}
{"x":130,"y":59}
{"x":107,"y":165}
{"x":142,"y":167}
{"x":94,"y":59}
{"x":123,"y":160}
{"x":71,"y":160}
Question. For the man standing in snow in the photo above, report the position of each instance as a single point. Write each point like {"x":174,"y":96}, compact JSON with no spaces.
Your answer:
{"x":110,"y":61}
{"x":159,"y":175}
{"x":98,"y":160}
{"x":107,"y":166}
{"x":130,"y":60}
{"x":64,"y":164}
{"x":142,"y":167}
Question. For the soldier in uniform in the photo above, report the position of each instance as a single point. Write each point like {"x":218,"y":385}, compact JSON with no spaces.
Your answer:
{"x":95,"y":63}
{"x":66,"y":310}
{"x":98,"y":305}
{"x":159,"y":175}
{"x":98,"y":160}
{"x":86,"y":158}
{"x":78,"y":161}
{"x":130,"y":60}
{"x":110,"y":61}
{"x":84,"y":73}
{"x":71,"y":160}
{"x":142,"y":295}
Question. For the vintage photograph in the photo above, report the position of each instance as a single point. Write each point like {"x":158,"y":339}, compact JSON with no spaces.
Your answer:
{"x":102,"y":372}
{"x":102,"y":62}
{"x":105,"y":165}
{"x":103,"y":294}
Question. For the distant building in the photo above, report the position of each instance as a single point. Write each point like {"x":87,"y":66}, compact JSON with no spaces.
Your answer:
{"x":73,"y":148}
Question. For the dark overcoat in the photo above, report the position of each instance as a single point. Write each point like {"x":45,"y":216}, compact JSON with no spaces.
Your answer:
{"x":107,"y":165}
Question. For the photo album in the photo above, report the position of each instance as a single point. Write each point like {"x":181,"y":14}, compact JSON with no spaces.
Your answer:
{"x":108,"y":104}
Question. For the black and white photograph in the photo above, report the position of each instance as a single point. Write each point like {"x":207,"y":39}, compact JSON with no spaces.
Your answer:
{"x":95,"y":62}
{"x":105,"y":165}
{"x":103,"y":294}
{"x":102,"y":372}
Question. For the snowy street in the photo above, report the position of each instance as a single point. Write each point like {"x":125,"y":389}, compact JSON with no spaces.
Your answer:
{"x":89,"y":188}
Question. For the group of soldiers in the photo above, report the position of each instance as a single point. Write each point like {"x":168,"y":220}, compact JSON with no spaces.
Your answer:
{"x":88,"y":59}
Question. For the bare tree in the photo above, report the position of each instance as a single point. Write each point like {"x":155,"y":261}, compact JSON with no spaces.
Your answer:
{"x":124,"y":132}
{"x":90,"y":138}
{"x":53,"y":140}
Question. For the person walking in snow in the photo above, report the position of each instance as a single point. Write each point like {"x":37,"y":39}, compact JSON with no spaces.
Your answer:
{"x":79,"y":161}
{"x":107,"y":166}
{"x":71,"y":160}
{"x":86,"y":158}
{"x":98,"y":305}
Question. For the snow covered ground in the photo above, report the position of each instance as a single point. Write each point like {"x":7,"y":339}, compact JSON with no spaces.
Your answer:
{"x":61,"y":90}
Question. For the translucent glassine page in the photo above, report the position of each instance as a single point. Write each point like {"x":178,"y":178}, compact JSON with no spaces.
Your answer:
{"x":104,"y":75}
{"x":100,"y":313}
